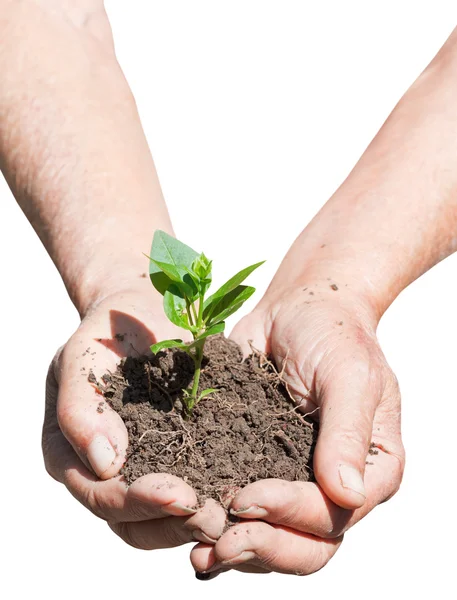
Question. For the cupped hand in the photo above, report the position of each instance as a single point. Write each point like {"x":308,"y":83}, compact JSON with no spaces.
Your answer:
{"x":323,"y":339}
{"x":85,"y":441}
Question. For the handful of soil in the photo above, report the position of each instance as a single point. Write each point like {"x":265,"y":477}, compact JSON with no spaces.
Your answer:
{"x":248,"y":430}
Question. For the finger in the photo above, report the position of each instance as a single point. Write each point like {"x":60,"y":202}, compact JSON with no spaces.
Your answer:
{"x":306,"y":508}
{"x":298,"y":505}
{"x":153,"y":535}
{"x":274,"y":548}
{"x":348,"y":392}
{"x":205,"y":525}
{"x":92,"y":427}
{"x":152,"y":496}
{"x":250,"y":333}
{"x":208,"y":523}
{"x":204,"y":561}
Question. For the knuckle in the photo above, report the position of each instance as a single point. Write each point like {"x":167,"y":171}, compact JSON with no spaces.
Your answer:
{"x":290,"y":510}
{"x":126,"y":532}
{"x":396,"y":478}
{"x":50,"y":470}
{"x":319,"y":555}
{"x":139,"y":510}
{"x":339,"y":526}
{"x":394,"y":384}
{"x":50,"y":456}
{"x":87,"y":495}
{"x":357,"y":437}
{"x":95,"y":503}
{"x":269,"y":558}
{"x":174,"y":535}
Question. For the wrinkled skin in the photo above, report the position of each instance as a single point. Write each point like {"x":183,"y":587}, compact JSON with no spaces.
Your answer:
{"x":334,"y":367}
{"x":157,"y":511}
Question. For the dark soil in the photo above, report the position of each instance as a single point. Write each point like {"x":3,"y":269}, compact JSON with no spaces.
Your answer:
{"x":248,"y":430}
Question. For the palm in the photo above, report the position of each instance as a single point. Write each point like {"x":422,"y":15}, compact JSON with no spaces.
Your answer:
{"x":148,"y":514}
{"x":333,"y":367}
{"x":330,"y":358}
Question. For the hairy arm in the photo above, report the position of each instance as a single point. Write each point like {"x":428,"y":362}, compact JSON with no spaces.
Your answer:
{"x":72,"y":147}
{"x":395,"y":216}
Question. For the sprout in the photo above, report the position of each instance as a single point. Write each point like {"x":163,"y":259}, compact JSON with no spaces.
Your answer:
{"x":183,"y":277}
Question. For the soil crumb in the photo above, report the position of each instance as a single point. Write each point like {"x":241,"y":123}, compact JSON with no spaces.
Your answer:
{"x":248,"y":430}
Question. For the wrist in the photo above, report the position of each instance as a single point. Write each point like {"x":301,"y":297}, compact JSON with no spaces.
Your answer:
{"x":325,"y":279}
{"x":100,"y":280}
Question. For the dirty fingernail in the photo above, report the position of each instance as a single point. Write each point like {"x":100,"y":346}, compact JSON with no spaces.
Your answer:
{"x":241,"y":558}
{"x":202,"y":576}
{"x":200,"y":536}
{"x":178,"y":510}
{"x":352,"y":480}
{"x":100,"y":454}
{"x":251,"y":511}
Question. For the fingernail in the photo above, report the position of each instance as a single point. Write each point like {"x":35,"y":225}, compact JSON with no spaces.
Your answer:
{"x":240,"y":558}
{"x":251,"y":511}
{"x":178,"y":509}
{"x":352,"y":480}
{"x":202,"y":576}
{"x":200,"y":536}
{"x":214,"y":568}
{"x":100,"y":454}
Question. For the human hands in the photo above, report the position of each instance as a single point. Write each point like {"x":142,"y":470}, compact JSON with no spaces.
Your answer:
{"x":85,"y":441}
{"x":325,"y":340}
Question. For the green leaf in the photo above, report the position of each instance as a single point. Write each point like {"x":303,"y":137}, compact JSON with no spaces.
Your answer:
{"x":228,"y":287}
{"x":181,"y":276}
{"x":222,"y":308}
{"x":174,"y":273}
{"x":202,"y":266}
{"x":213,"y":330}
{"x":168,"y":250}
{"x":174,"y":306}
{"x":206,"y":392}
{"x":168,"y":344}
{"x":199,"y":285}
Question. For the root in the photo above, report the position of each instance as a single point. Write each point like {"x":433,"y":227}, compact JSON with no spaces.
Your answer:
{"x":278,"y":375}
{"x":281,"y":437}
{"x":158,"y":432}
{"x":298,"y":415}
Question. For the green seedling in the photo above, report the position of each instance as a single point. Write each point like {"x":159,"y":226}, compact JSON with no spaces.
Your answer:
{"x":183,"y":277}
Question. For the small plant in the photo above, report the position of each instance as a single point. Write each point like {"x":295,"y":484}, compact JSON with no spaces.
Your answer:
{"x":183,"y":277}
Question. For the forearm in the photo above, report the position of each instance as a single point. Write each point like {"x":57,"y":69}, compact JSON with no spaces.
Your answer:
{"x":395,"y":216}
{"x":72,"y":148}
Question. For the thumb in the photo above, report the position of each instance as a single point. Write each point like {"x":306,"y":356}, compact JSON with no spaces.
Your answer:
{"x":348,"y":397}
{"x":95,"y":431}
{"x":250,"y":333}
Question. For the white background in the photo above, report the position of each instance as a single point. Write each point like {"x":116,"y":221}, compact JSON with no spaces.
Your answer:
{"x":255,"y":111}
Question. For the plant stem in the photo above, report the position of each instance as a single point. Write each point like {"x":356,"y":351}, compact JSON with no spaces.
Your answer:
{"x":189,"y":312}
{"x":200,"y":312}
{"x":197,"y":356}
{"x":198,"y":364}
{"x":195,"y":313}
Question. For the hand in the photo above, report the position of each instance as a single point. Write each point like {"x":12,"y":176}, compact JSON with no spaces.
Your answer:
{"x":324,"y":340}
{"x":84,"y":449}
